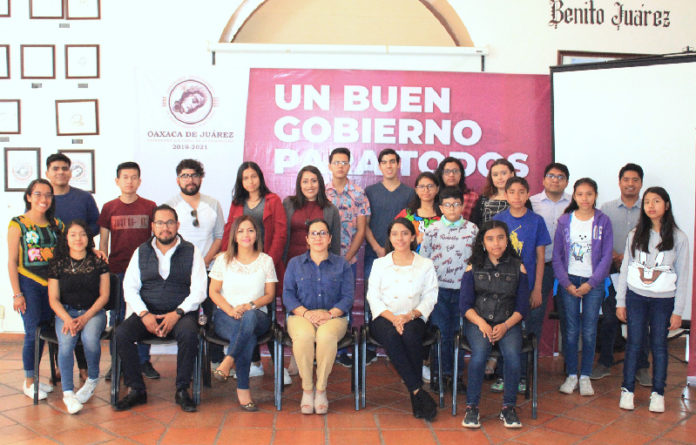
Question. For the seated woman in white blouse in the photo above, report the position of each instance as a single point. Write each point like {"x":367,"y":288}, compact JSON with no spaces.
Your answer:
{"x":402,"y":292}
{"x":242,"y":283}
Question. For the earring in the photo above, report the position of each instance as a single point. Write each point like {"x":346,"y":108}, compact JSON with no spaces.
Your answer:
{"x":484,"y":248}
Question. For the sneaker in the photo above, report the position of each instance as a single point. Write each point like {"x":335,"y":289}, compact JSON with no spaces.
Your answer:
{"x":45,"y":387}
{"x":471,"y":417}
{"x":522,"y":386}
{"x":657,"y":403}
{"x":600,"y":371}
{"x":149,"y":371}
{"x":286,"y":377}
{"x":426,"y":374}
{"x":570,"y":384}
{"x":29,"y":391}
{"x":256,"y":369}
{"x":71,"y":403}
{"x":498,"y":385}
{"x":626,"y":401}
{"x":643,"y":377}
{"x":370,"y":357}
{"x":509,"y":417}
{"x":344,"y":360}
{"x":585,"y":386}
{"x":84,"y":394}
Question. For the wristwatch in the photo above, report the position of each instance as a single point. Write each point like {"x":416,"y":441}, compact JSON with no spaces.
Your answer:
{"x":253,"y":305}
{"x":180,"y":312}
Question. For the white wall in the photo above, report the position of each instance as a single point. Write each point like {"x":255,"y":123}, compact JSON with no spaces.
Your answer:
{"x":174,"y":34}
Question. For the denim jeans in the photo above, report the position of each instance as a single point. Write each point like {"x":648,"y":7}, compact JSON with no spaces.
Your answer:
{"x":445,"y":316}
{"x":89,"y":335}
{"x":510,"y":346}
{"x":38,"y":312}
{"x":656,"y":313}
{"x":242,"y":335}
{"x":578,"y":323}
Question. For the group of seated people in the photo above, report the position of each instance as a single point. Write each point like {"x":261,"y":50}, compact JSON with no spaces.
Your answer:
{"x":447,"y":254}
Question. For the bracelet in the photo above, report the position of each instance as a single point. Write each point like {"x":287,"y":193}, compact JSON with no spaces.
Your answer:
{"x":303,"y":313}
{"x":413,"y":316}
{"x":17,"y":295}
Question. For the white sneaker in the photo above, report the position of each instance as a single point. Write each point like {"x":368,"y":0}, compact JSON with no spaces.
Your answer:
{"x":256,"y":370}
{"x":570,"y":384}
{"x":626,"y":401}
{"x":426,"y":374}
{"x":71,"y":403}
{"x":286,"y":377}
{"x":586,"y":386}
{"x":45,"y":387}
{"x":657,"y":403}
{"x":85,"y":393}
{"x":29,"y":391}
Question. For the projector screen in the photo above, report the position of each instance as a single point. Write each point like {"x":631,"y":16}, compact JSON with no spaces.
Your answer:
{"x":643,"y":111}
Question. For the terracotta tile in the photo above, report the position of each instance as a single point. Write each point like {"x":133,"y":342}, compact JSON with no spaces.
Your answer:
{"x":128,"y":426}
{"x":680,"y":433}
{"x":359,"y":420}
{"x":401,"y":421}
{"x":594,"y":414}
{"x":120,"y":441}
{"x":82,"y":436}
{"x":571,"y":426}
{"x":348,"y":437}
{"x":403,"y":437}
{"x":15,"y":433}
{"x":183,"y":436}
{"x":304,"y":437}
{"x":56,"y":424}
{"x":149,"y":438}
{"x":6,"y":421}
{"x":643,"y":425}
{"x":199,"y":419}
{"x":15,"y":401}
{"x":463,"y":436}
{"x":249,"y":420}
{"x":295,"y":421}
{"x":541,"y":436}
{"x":617,"y":436}
{"x":98,"y":414}
{"x":253,"y":436}
{"x":35,"y":441}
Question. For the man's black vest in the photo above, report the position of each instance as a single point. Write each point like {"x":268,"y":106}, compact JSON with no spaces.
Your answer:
{"x":496,"y":290}
{"x":162,"y":296}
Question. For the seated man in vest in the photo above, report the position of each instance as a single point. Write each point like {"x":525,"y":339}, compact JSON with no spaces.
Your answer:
{"x":164,"y":285}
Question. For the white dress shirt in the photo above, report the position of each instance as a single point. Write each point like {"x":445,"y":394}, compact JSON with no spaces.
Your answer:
{"x":132,"y":283}
{"x":550,"y":210}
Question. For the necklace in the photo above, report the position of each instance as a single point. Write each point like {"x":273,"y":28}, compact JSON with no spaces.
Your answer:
{"x":77,"y":267}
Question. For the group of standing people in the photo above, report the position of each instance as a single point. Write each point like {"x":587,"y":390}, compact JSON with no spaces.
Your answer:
{"x":433,"y":254}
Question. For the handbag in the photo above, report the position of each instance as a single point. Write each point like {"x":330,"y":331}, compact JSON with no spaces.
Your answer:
{"x":658,"y":278}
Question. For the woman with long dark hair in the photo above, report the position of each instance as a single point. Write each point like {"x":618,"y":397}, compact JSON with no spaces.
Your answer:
{"x":78,"y":290}
{"x":581,"y":260}
{"x":652,"y":291}
{"x":494,"y":298}
{"x":424,"y":208}
{"x":450,"y":173}
{"x":492,"y":201}
{"x":31,"y":239}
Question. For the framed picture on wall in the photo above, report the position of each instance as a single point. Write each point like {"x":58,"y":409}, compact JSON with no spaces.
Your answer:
{"x":10,"y":116}
{"x":46,"y":9}
{"x":573,"y":57}
{"x":22,"y":165}
{"x":77,"y":117}
{"x":4,"y":61}
{"x":81,"y":61}
{"x":83,"y":9}
{"x":4,"y":8}
{"x":38,"y":61}
{"x":82,"y":167}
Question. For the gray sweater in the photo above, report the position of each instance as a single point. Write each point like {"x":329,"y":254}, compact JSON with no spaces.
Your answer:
{"x":677,"y":259}
{"x":332,"y":218}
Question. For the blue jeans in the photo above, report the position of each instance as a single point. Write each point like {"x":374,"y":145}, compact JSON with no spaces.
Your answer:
{"x":510,"y":346}
{"x":89,"y":335}
{"x":577,"y":323}
{"x":655,"y":313}
{"x":143,"y":349}
{"x":38,"y":312}
{"x":445,"y":316}
{"x":242,"y":335}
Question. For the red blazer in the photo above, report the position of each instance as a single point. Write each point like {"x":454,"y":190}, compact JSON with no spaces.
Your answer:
{"x":274,"y":224}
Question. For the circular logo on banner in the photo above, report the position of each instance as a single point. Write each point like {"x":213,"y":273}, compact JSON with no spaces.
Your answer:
{"x":190,"y":101}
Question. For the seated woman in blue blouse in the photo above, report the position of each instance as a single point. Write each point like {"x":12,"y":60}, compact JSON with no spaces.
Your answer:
{"x":318,"y":292}
{"x":494,"y":298}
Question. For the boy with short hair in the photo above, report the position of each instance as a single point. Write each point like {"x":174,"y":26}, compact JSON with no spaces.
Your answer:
{"x":448,"y":242}
{"x":126,"y":222}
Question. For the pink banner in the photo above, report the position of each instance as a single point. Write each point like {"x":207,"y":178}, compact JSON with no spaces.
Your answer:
{"x":296,"y":117}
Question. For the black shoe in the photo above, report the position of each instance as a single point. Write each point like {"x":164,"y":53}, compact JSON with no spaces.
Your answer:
{"x":183,"y":399}
{"x":509,"y":417}
{"x":370,"y":357}
{"x":107,"y":376}
{"x":416,"y":406}
{"x":149,"y":371}
{"x":133,"y":398}
{"x":344,"y":360}
{"x":427,"y":404}
{"x":471,"y":417}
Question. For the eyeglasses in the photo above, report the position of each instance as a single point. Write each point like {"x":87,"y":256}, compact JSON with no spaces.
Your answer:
{"x":318,"y":234}
{"x":341,"y":163}
{"x":452,"y":171}
{"x":189,"y":176}
{"x":451,"y":205}
{"x":169,"y":223}
{"x":194,"y":213}
{"x":38,"y":195}
{"x":552,"y":176}
{"x":426,"y":186}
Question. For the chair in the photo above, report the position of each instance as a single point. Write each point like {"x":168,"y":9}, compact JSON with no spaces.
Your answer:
{"x":432,"y":337}
{"x":351,"y":338}
{"x":47,"y":333}
{"x":209,"y":336}
{"x":529,"y":347}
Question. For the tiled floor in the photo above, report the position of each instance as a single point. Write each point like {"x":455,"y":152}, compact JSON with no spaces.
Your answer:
{"x":386,"y":420}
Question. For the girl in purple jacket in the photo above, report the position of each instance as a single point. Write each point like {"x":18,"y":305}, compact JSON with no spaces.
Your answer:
{"x":581,"y":258}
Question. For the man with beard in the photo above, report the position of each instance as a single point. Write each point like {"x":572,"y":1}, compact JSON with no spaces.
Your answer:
{"x":164,"y":285}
